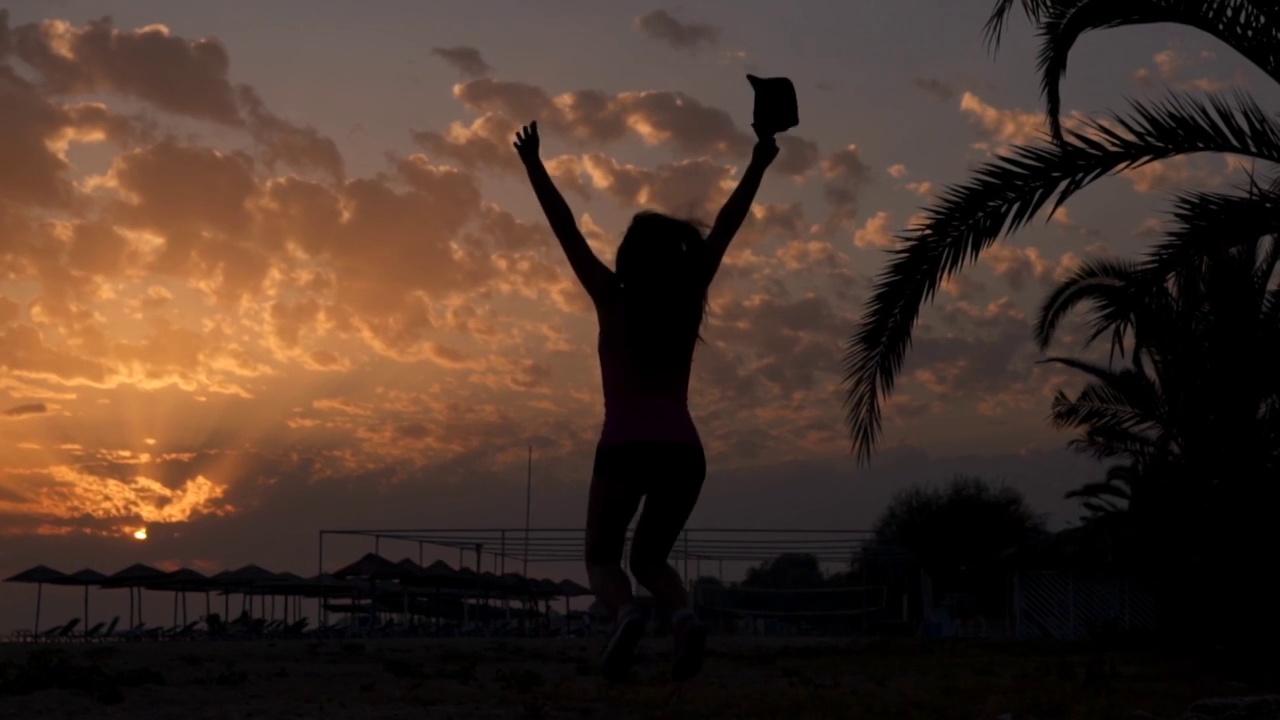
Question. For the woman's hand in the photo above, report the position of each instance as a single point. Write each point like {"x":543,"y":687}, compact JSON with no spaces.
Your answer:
{"x":527,"y":143}
{"x":766,"y":148}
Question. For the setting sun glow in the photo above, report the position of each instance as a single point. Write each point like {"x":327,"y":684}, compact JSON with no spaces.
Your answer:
{"x":140,"y":534}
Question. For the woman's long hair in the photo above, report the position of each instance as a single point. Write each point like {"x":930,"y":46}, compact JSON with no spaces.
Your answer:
{"x":662,"y":266}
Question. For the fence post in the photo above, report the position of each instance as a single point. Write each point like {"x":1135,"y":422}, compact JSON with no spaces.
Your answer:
{"x":1017,"y":604}
{"x":1127,"y":585}
{"x":1071,"y":606}
{"x":686,"y":557}
{"x":321,"y":611}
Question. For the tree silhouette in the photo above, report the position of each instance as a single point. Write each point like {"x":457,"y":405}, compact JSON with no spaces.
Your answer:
{"x":1199,"y":342}
{"x":1189,"y":406}
{"x":1008,"y":191}
{"x":789,"y":571}
{"x":956,"y":533}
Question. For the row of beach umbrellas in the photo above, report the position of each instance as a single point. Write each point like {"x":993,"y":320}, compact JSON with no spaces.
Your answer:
{"x":373,"y":571}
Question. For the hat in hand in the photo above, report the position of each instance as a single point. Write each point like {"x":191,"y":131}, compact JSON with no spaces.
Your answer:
{"x":775,"y":108}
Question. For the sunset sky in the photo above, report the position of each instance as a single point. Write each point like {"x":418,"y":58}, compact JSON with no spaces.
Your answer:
{"x":267,"y":268}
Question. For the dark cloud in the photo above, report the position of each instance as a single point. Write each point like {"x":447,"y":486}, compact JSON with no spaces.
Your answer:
{"x":466,"y":60}
{"x":661,"y":26}
{"x":935,"y":87}
{"x":172,"y":73}
{"x":655,"y":116}
{"x":24,"y":410}
{"x":844,"y":174}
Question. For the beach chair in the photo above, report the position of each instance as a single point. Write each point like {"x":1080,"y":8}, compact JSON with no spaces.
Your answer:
{"x":187,"y":631}
{"x":92,"y":632}
{"x":294,"y":630}
{"x":65,"y":634}
{"x":60,"y":633}
{"x":132,"y":634}
{"x":109,"y":632}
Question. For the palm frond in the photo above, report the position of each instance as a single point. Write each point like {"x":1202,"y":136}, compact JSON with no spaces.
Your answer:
{"x":1103,"y":281}
{"x":1098,"y":490}
{"x":1209,"y":222}
{"x":1105,"y":507}
{"x":1245,"y":25}
{"x":1034,"y":10}
{"x":1006,"y":193}
{"x":1104,"y":405}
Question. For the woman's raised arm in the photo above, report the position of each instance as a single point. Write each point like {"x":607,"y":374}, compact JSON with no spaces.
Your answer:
{"x":738,"y":205}
{"x":593,"y":274}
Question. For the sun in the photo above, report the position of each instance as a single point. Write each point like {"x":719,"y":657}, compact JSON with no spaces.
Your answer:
{"x":140,"y":534}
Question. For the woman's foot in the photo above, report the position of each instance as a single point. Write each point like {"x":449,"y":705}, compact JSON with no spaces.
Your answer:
{"x":690,"y":644}
{"x":620,"y":651}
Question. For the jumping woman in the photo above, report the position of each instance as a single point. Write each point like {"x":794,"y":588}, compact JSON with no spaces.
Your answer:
{"x":650,"y":309}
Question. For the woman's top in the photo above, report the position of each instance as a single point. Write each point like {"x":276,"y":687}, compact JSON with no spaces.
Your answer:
{"x":645,"y":362}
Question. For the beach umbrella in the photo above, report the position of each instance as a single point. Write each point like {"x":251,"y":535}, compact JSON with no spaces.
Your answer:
{"x":134,"y":576}
{"x":83,"y":578}
{"x":286,"y":585}
{"x":223,"y":580}
{"x":247,"y":578}
{"x":436,"y":575}
{"x":409,"y":569}
{"x":282,"y":584}
{"x":251,"y":574}
{"x":544,"y":590}
{"x":571,"y":589}
{"x":39,"y":575}
{"x":371,"y":565}
{"x":374,"y":567}
{"x":180,"y":582}
{"x":324,"y":585}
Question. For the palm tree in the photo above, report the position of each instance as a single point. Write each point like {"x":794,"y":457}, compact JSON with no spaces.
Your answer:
{"x":1191,"y":412}
{"x":1006,"y":192}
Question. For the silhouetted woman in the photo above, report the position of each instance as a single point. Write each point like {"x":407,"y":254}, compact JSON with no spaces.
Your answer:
{"x":650,"y":311}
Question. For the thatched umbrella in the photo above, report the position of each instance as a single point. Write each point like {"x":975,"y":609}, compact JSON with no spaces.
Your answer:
{"x":223,"y":580}
{"x":83,"y":578}
{"x":247,"y":578}
{"x":571,"y":589}
{"x":544,"y":590}
{"x":409,"y":570}
{"x":180,"y":582}
{"x":39,"y":575}
{"x":135,"y":576}
{"x":438,"y":575}
{"x":374,"y":567}
{"x":282,"y":584}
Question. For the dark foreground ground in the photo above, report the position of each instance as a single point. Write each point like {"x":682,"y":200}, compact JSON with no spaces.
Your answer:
{"x":745,"y":678}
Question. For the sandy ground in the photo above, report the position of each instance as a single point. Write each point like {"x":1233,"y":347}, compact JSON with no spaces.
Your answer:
{"x":557,"y":678}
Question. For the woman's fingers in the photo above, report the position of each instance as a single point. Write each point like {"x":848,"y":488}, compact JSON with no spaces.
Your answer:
{"x":525,"y":134}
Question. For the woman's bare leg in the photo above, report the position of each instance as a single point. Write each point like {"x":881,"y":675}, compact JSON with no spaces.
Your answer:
{"x":611,"y":504}
{"x":667,"y":508}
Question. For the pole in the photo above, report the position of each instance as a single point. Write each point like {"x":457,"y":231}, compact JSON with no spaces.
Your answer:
{"x":528,"y":497}
{"x":322,"y":617}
